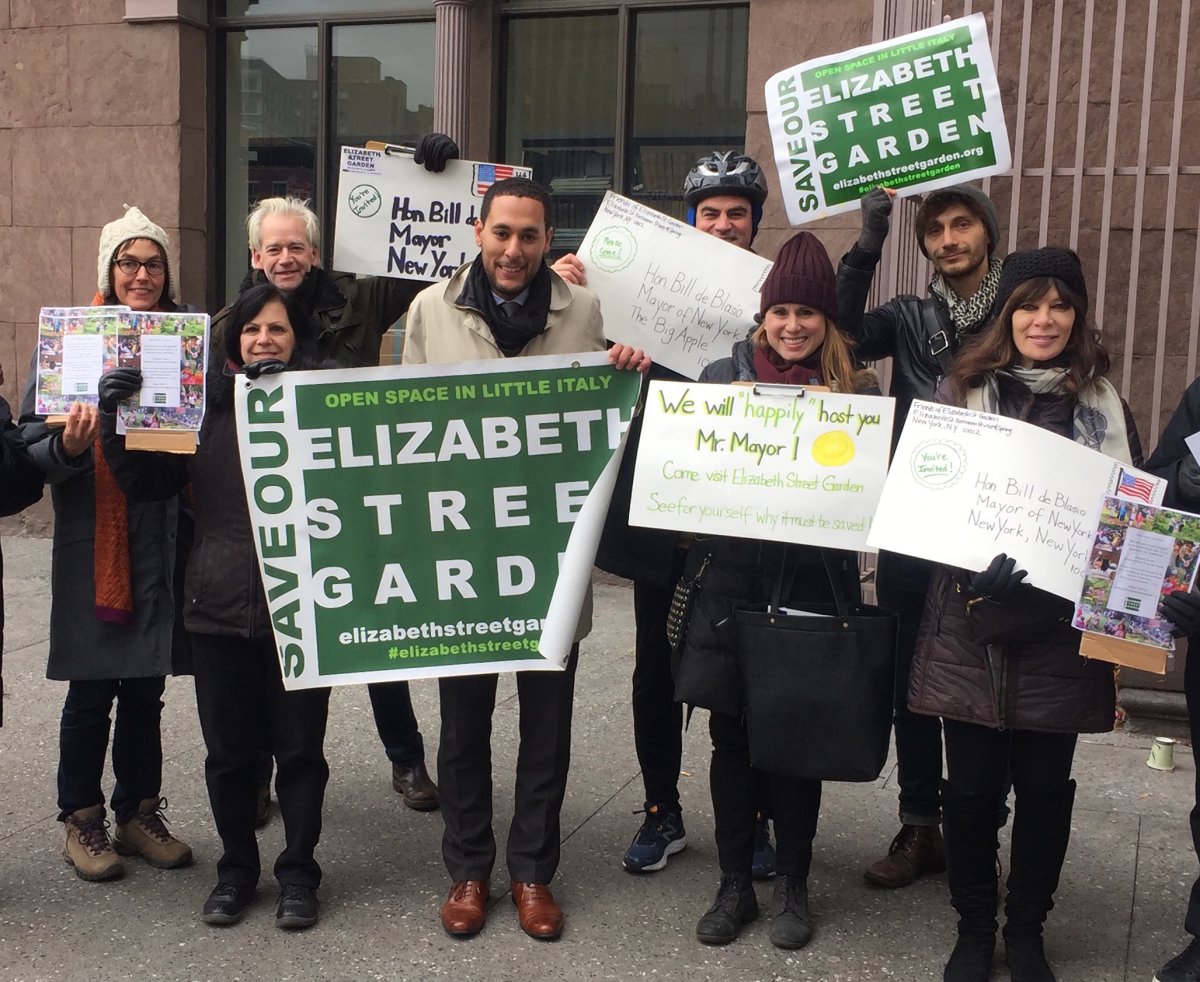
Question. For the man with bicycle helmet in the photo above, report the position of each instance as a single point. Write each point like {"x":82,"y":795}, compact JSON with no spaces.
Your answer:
{"x":724,"y":192}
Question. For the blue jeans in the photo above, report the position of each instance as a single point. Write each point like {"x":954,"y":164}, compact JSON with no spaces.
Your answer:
{"x":136,"y":744}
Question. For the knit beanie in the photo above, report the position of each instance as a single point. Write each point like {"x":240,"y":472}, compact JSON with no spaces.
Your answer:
{"x":935,"y":202}
{"x":133,"y":225}
{"x":802,"y":274}
{"x":1062,"y":264}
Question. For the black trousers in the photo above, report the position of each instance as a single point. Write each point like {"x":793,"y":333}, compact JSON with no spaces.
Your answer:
{"x":1191,"y":690}
{"x":396,"y":722}
{"x":136,"y":744}
{"x":735,"y":786}
{"x":657,"y":717}
{"x":244,"y":707}
{"x":465,"y":773}
{"x":902,"y":584}
{"x":979,"y":759}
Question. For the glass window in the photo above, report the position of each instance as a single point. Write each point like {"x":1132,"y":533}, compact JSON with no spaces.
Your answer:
{"x":688,"y":99}
{"x":382,"y":83}
{"x":560,"y":113}
{"x":270,"y":124}
{"x":685,"y":96}
{"x":264,"y":8}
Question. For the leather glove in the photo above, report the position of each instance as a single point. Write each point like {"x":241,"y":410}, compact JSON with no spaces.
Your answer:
{"x":1000,"y":581}
{"x":117,"y":386}
{"x":1183,"y":610}
{"x":268,"y":366}
{"x":1187,"y":482}
{"x":433,"y":150}
{"x":876,"y":220}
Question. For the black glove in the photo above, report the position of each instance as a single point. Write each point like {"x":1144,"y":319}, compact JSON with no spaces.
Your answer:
{"x":1183,"y":610}
{"x":876,"y":220}
{"x":117,"y":386}
{"x":433,"y":150}
{"x":1000,"y":581}
{"x":268,"y":366}
{"x":1187,"y":482}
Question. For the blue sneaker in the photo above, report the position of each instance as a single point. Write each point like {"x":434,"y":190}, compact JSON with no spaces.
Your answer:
{"x":763,"y":864}
{"x":661,"y":836}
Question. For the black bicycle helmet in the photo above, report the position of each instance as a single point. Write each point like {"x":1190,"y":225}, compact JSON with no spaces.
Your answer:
{"x":724,"y":172}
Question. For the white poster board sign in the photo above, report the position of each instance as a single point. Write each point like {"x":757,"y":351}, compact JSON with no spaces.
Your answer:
{"x":913,"y":113}
{"x":965,"y":486}
{"x":761,"y":462}
{"x":681,"y":295}
{"x":395,"y":218}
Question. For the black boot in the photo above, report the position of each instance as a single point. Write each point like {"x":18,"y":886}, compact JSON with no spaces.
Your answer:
{"x":735,"y":906}
{"x":791,"y":922}
{"x":969,"y":828}
{"x":1041,"y":831}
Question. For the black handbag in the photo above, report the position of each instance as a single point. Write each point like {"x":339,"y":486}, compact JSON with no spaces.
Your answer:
{"x":818,"y":685}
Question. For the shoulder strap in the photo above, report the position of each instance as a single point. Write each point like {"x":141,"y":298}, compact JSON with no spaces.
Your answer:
{"x":937,"y":337}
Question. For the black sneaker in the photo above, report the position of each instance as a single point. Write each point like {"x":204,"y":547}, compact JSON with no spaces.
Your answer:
{"x":661,"y":836}
{"x":227,"y":903}
{"x":297,"y":907}
{"x":735,"y":906}
{"x":1184,"y":967}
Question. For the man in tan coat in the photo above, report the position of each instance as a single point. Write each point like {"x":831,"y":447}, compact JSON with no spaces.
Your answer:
{"x":507,"y":303}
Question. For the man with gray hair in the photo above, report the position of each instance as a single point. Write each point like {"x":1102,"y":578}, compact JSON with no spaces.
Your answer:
{"x":353,"y":314}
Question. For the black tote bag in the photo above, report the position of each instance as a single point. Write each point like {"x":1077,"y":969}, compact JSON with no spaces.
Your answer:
{"x":818,"y":689}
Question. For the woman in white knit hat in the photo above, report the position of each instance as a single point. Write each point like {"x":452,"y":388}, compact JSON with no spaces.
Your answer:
{"x":112,"y":614}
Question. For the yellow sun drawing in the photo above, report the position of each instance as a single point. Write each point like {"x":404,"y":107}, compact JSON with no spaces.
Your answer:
{"x":833,"y":449}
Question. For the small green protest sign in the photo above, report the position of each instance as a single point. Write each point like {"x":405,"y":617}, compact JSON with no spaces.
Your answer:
{"x":430,"y":520}
{"x":913,"y":113}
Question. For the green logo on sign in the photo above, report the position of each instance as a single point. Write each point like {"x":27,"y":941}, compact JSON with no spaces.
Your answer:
{"x":613,"y":249}
{"x":365,"y":200}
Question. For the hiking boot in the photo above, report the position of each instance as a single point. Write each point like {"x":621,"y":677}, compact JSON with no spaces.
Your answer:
{"x":791,"y":923}
{"x":1184,"y":967}
{"x":88,"y":848}
{"x":916,"y":850}
{"x":297,"y":907}
{"x":262,"y":807}
{"x":735,"y":907}
{"x":146,"y":835}
{"x":661,"y":836}
{"x":762,"y":866}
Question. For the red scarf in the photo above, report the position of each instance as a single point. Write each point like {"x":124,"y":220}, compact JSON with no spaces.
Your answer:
{"x":770,"y":366}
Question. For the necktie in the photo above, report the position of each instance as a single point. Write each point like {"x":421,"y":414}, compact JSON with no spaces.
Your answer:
{"x":510,"y":308}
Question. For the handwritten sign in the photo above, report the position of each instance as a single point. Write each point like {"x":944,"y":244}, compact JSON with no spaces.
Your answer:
{"x":395,"y":218}
{"x":682,"y":295}
{"x":916,"y":112}
{"x":731,"y":460}
{"x":966,"y":485}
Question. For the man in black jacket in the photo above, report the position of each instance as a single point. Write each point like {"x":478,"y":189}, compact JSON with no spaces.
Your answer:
{"x":353,"y":314}
{"x":957,"y":231}
{"x":1174,"y":461}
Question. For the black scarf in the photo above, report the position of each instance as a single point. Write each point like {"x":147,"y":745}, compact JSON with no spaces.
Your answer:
{"x":511,"y":331}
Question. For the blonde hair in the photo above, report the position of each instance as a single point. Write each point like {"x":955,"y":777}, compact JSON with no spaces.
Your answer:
{"x":836,"y":364}
{"x":269,"y":207}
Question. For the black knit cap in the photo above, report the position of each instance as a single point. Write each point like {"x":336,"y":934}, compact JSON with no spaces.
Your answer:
{"x":1062,"y":264}
{"x":802,"y":274}
{"x":935,"y":202}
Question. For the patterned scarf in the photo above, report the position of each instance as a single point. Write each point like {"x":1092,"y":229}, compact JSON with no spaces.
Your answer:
{"x":770,"y":366}
{"x":968,"y":314}
{"x":1099,"y":415}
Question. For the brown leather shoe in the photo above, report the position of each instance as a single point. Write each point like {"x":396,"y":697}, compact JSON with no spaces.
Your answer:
{"x":416,"y":786}
{"x":465,"y":909}
{"x":537,"y":910}
{"x":916,"y":850}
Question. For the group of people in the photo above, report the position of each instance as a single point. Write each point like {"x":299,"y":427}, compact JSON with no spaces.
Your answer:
{"x":154,"y":573}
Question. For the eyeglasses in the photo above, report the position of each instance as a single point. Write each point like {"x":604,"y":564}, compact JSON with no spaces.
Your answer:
{"x":129,"y":266}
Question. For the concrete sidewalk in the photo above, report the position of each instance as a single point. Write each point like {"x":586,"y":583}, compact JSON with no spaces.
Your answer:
{"x":1118,"y":916}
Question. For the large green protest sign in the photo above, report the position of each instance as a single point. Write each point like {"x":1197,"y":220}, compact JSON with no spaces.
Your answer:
{"x":430,"y":520}
{"x":913,"y":113}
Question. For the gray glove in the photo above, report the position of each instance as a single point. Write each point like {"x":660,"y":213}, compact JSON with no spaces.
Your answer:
{"x":1187,"y":482}
{"x":117,"y":386}
{"x":434,"y":150}
{"x":1182,"y":610}
{"x":876,"y":220}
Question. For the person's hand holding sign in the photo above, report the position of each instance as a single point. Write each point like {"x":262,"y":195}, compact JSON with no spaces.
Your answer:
{"x":625,"y":356}
{"x":876,"y":218}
